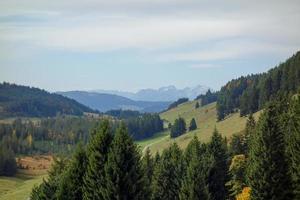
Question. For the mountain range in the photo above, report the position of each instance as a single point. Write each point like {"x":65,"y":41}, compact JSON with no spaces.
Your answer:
{"x":168,"y":93}
{"x":105,"y":102}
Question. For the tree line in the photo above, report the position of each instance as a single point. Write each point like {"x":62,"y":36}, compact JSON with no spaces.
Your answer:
{"x":262,"y":162}
{"x":249,"y":94}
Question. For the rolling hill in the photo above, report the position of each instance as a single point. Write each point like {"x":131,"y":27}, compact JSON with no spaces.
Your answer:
{"x":23,"y":101}
{"x":206,"y":119}
{"x":105,"y":102}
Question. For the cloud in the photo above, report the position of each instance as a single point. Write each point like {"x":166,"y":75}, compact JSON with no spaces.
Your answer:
{"x":170,"y":30}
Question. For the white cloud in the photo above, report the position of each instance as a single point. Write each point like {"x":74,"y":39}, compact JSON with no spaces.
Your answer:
{"x":96,"y":25}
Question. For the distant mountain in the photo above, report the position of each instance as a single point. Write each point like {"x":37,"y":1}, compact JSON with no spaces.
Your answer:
{"x":169,"y":93}
{"x":23,"y":101}
{"x":105,"y":102}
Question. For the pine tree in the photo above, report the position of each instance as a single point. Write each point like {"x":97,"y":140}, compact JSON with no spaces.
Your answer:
{"x":47,"y":190}
{"x":218,"y":175}
{"x":268,"y":170}
{"x":293,"y":145}
{"x":123,"y":170}
{"x":97,"y":152}
{"x":71,"y":184}
{"x":178,"y":128}
{"x":148,"y":167}
{"x":193,"y":125}
{"x":194,"y":184}
{"x":249,"y":132}
{"x":168,"y":175}
{"x":197,"y":105}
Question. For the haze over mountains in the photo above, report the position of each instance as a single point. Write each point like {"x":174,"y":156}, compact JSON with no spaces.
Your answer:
{"x":167,"y":93}
{"x":145,"y":100}
{"x":105,"y":102}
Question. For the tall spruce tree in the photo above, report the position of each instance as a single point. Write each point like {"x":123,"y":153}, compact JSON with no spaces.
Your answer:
{"x":218,"y":174}
{"x":193,"y":125}
{"x":168,"y":174}
{"x":194,"y":184}
{"x":47,"y":190}
{"x":268,"y":170}
{"x":97,"y":152}
{"x":123,"y":170}
{"x":71,"y":183}
{"x":292,"y":129}
{"x":148,"y":167}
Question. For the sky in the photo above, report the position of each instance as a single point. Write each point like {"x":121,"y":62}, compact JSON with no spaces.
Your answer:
{"x":127,"y":45}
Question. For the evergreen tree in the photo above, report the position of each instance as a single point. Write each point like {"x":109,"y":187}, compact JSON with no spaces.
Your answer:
{"x":123,"y":170}
{"x":193,"y":125}
{"x":197,"y":105}
{"x":268,"y":170}
{"x":71,"y":184}
{"x":48,"y":189}
{"x":148,"y":167}
{"x":194,"y":184}
{"x":249,"y":132}
{"x":97,"y":152}
{"x":218,"y":174}
{"x":168,"y":175}
{"x":178,"y":128}
{"x":293,"y":145}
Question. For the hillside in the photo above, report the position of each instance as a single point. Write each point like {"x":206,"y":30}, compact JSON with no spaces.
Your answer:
{"x":23,"y":101}
{"x":105,"y":102}
{"x":206,"y":120}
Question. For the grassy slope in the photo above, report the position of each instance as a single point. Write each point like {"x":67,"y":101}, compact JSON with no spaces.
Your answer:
{"x":206,"y":121}
{"x":18,"y":187}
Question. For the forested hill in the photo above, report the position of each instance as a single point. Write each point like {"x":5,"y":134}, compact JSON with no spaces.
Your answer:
{"x":16,"y":100}
{"x":249,"y":94}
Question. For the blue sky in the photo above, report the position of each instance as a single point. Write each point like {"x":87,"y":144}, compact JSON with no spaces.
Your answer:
{"x":134,"y":44}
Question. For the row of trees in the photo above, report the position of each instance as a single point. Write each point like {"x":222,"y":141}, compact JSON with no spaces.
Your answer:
{"x":178,"y":102}
{"x":60,"y":133}
{"x":179,"y":127}
{"x":111,"y":167}
{"x":144,"y":126}
{"x":8,"y":165}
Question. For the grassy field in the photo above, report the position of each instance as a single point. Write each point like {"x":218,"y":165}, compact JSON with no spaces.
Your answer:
{"x":206,"y":121}
{"x":144,"y":144}
{"x":19,"y":187}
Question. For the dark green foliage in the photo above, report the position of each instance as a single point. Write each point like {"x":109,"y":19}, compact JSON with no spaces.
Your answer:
{"x":178,"y":102}
{"x":268,"y":170}
{"x":236,"y":146}
{"x":123,"y":114}
{"x":123,"y":170}
{"x":178,"y":128}
{"x":148,"y":167}
{"x":218,"y":174}
{"x":199,"y":162}
{"x":49,"y":135}
{"x":292,"y":129}
{"x":252,"y":92}
{"x":71,"y":183}
{"x":48,"y":189}
{"x":208,"y":98}
{"x":97,"y":152}
{"x":197,"y":105}
{"x":19,"y":101}
{"x":8,"y":165}
{"x":144,"y":126}
{"x":193,"y":125}
{"x":168,"y":174}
